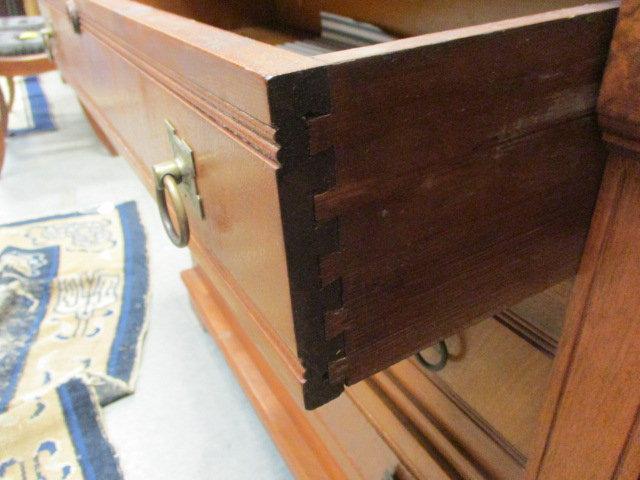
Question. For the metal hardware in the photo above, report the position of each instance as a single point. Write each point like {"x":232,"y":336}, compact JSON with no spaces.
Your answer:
{"x":444,"y":358}
{"x":74,"y":15}
{"x":169,"y":176}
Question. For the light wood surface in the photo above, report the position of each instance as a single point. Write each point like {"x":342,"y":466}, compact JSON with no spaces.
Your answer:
{"x":594,"y":399}
{"x":316,"y":445}
{"x":589,"y":426}
{"x":415,"y":17}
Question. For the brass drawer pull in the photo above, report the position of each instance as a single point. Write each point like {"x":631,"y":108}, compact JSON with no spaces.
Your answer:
{"x":170,"y":177}
{"x":442,"y":349}
{"x":166,"y":181}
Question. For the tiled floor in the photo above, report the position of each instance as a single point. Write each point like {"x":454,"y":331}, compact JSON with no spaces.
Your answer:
{"x":188,"y":419}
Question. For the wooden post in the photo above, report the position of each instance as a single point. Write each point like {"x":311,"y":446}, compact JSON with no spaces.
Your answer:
{"x":590,"y":424}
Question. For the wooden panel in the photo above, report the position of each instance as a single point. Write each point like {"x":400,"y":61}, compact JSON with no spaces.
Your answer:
{"x":589,"y":427}
{"x":130,"y":88}
{"x":238,"y":185}
{"x":464,"y":191}
{"x":500,"y":378}
{"x":414,"y":17}
{"x":619,"y":102}
{"x":326,"y":444}
{"x":463,"y":439}
{"x":594,"y":397}
{"x":222,"y":14}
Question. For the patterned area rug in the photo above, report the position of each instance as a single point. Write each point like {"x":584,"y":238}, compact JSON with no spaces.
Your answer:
{"x":59,"y":436}
{"x":72,"y":302}
{"x":30,"y":112}
{"x":73,"y":291}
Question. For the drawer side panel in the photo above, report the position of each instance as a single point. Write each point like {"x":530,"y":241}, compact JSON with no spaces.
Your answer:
{"x":466,"y":175}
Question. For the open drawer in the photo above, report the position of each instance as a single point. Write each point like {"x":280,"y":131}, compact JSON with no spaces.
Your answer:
{"x":359,"y":204}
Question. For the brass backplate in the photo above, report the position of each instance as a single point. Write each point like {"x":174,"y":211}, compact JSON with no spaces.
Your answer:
{"x":183,"y":157}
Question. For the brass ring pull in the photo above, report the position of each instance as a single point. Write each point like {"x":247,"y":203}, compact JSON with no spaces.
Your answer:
{"x":167,"y":176}
{"x":177,"y":180}
{"x":444,"y":358}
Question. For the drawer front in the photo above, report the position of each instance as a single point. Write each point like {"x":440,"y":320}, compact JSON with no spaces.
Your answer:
{"x":241,"y":230}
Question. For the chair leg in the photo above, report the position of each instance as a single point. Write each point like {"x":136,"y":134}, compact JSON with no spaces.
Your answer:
{"x":12,"y":92}
{"x":4,"y":122}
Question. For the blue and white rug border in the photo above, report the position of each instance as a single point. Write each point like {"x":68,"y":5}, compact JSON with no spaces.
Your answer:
{"x":41,"y":112}
{"x":134,"y":318}
{"x":83,"y":418}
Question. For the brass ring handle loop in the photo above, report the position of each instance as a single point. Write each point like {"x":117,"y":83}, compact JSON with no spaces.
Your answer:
{"x":170,"y":185}
{"x":444,"y":358}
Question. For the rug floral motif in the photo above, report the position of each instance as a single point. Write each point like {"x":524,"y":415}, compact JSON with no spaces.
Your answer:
{"x":73,"y":294}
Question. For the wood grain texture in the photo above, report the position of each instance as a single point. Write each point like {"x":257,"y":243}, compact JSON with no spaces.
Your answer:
{"x":589,"y":425}
{"x":336,"y":219}
{"x":472,"y":420}
{"x":266,"y":157}
{"x":500,"y":379}
{"x":590,"y":414}
{"x":225,"y":168}
{"x":619,"y":102}
{"x":316,"y":445}
{"x":214,"y":64}
{"x":539,"y":318}
{"x":461,"y":192}
{"x":457,"y":435}
{"x":415,"y":17}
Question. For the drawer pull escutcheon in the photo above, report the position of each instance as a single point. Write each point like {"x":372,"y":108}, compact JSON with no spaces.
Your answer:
{"x":171,"y":177}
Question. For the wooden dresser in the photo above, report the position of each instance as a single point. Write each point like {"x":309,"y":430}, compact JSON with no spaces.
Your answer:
{"x":361,"y":180}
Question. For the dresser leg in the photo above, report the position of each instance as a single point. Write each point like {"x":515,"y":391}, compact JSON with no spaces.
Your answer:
{"x":590,"y":421}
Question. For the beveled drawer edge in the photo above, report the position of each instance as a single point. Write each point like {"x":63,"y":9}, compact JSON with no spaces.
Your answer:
{"x":258,"y":136}
{"x":209,"y":56}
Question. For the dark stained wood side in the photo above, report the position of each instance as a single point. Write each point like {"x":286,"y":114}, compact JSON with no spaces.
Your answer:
{"x":466,"y":175}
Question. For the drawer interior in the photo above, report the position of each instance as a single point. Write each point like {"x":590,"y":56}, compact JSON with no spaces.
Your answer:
{"x":498,"y":369}
{"x":315,"y":27}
